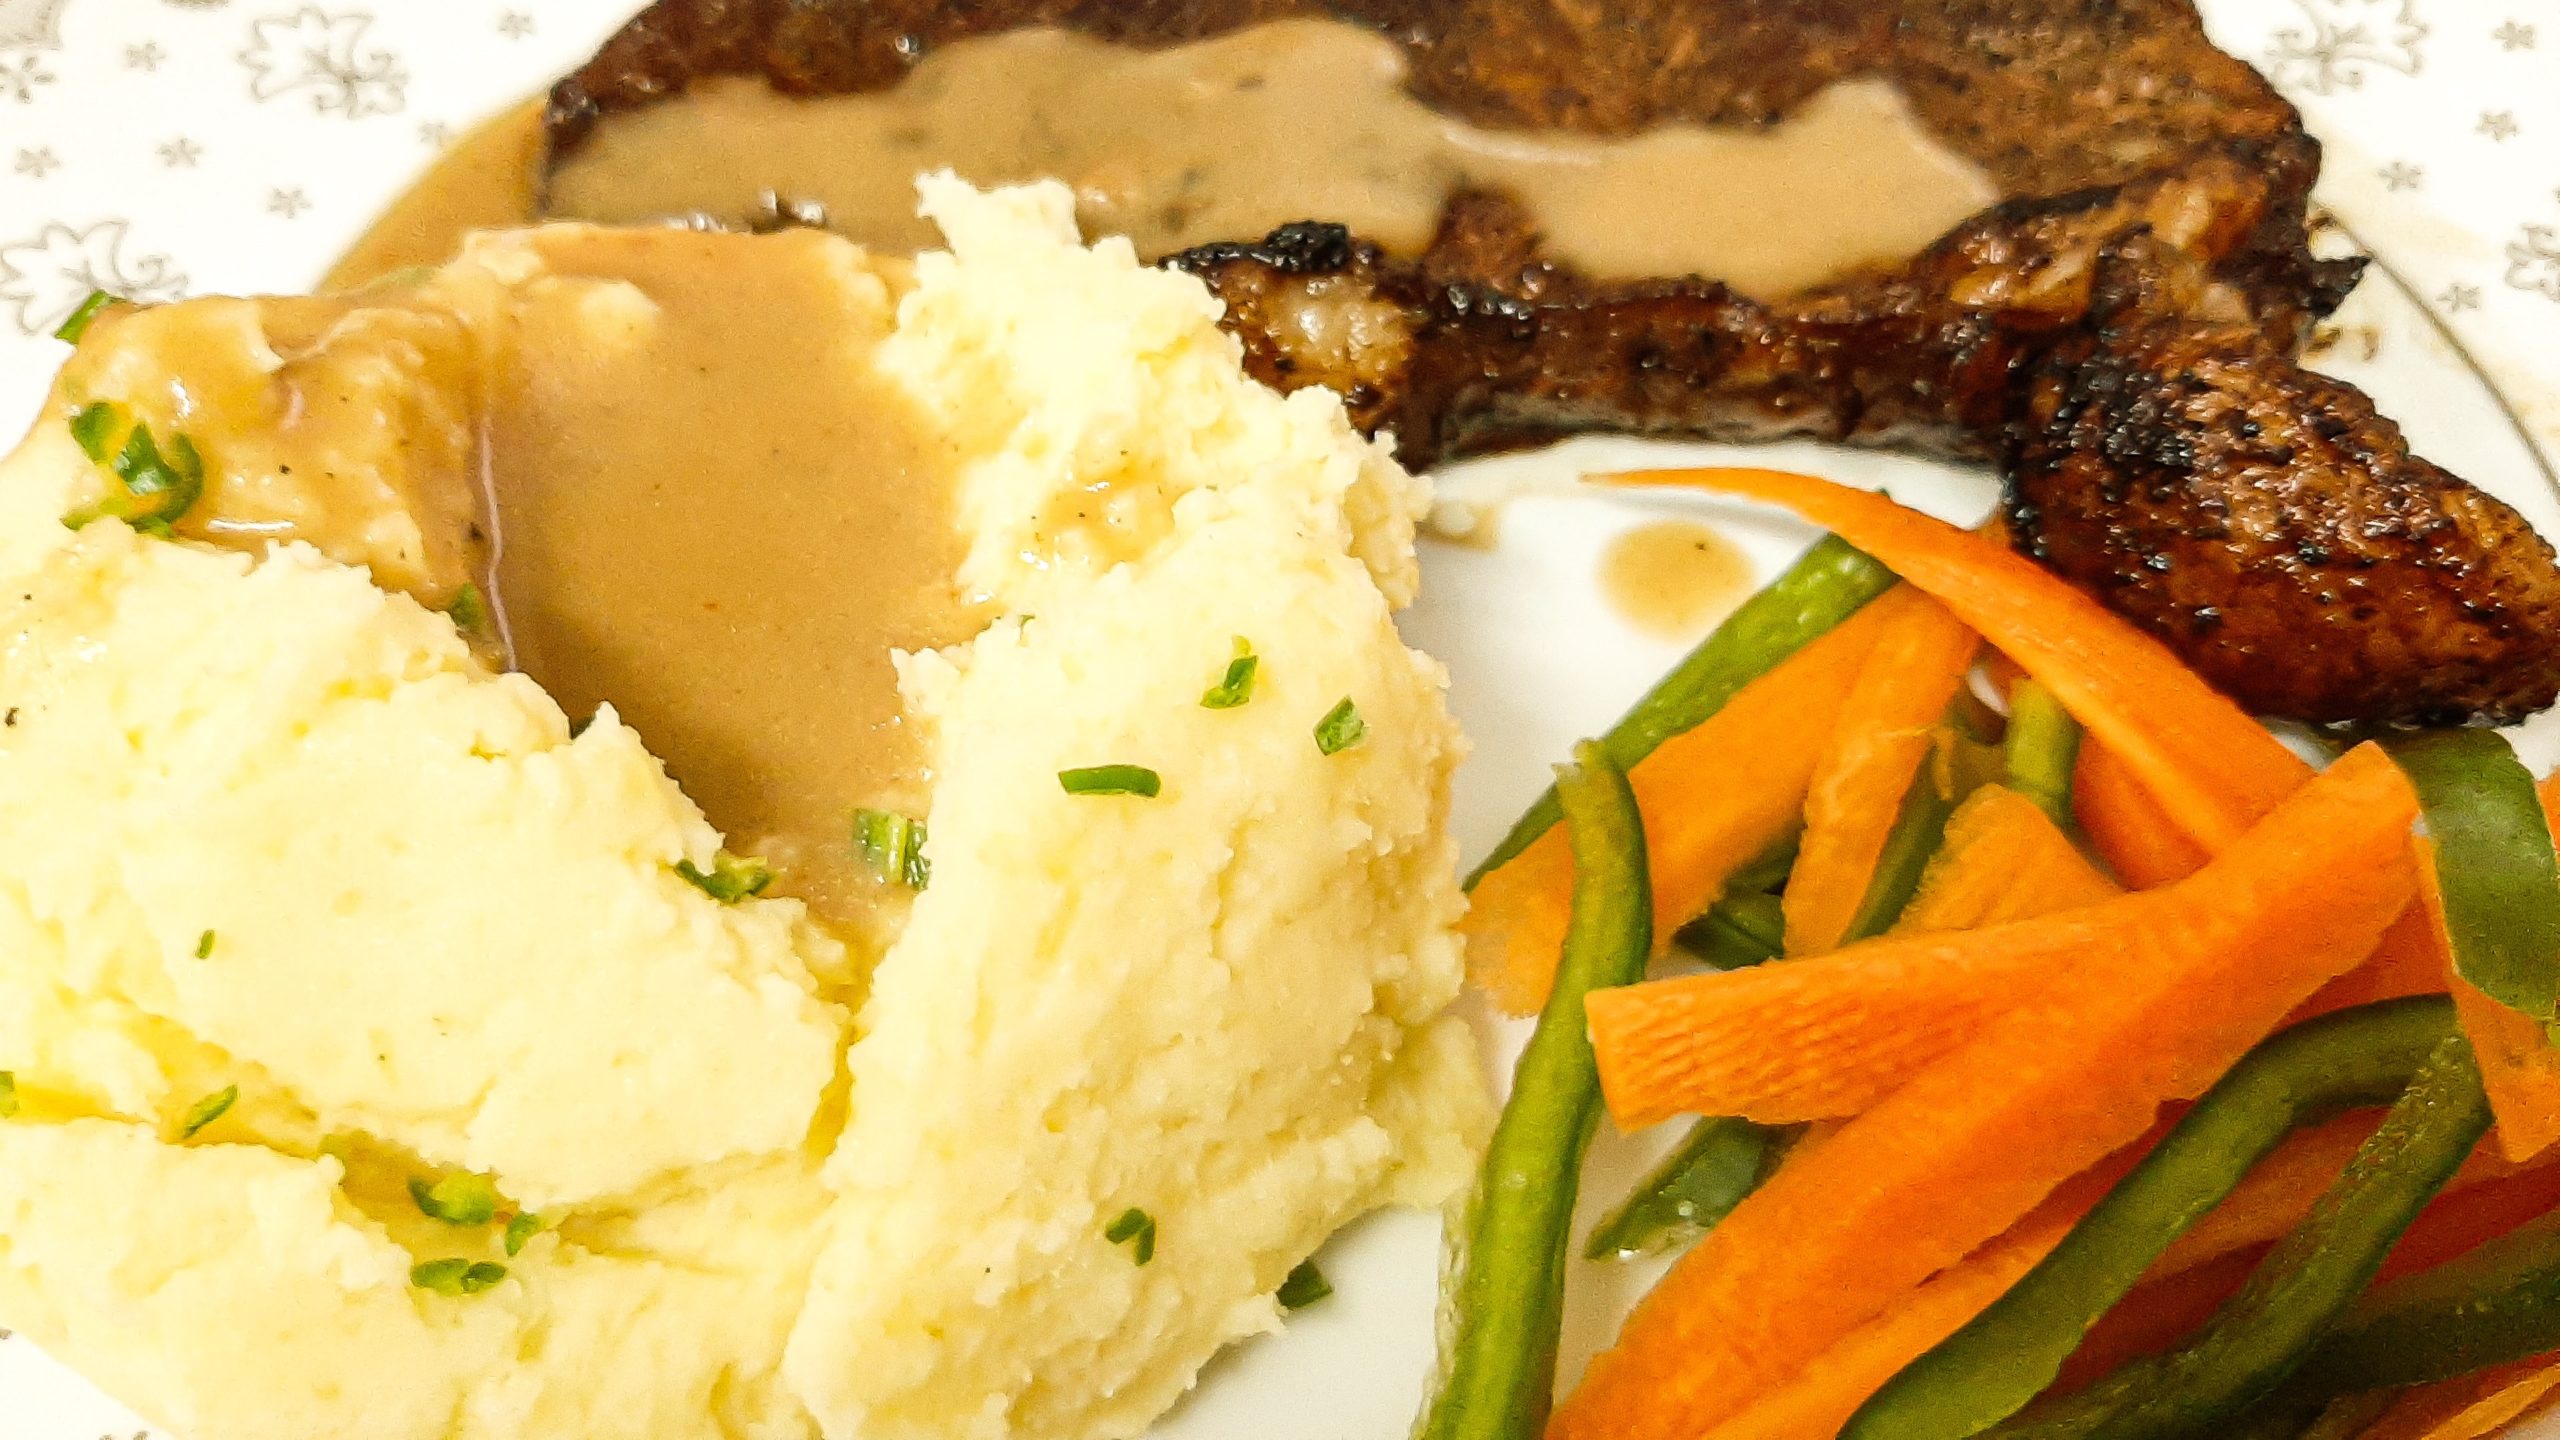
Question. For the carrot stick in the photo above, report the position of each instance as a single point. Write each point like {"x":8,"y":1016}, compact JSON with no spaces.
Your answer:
{"x":1713,"y":799}
{"x":1820,"y":1398}
{"x":2212,"y":768}
{"x":1878,"y":743}
{"x":1980,"y":1138}
{"x":2126,"y":826}
{"x":1834,"y":1034}
{"x":2470,"y":1407}
{"x":2002,"y":860}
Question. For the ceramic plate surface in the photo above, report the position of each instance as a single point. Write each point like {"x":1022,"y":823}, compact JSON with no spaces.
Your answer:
{"x":163,"y":148}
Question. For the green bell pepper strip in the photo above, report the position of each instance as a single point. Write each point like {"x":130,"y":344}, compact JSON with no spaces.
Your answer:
{"x":2496,"y":1303}
{"x":1724,"y":1159}
{"x":2007,"y":1355}
{"x":2258,"y":1337}
{"x":1917,"y":833}
{"x":2041,"y":750}
{"x":1504,"y":1296}
{"x":1823,"y":588}
{"x":2494,"y":863}
{"x":1748,"y":923}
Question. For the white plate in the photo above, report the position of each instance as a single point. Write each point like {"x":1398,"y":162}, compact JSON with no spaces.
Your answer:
{"x":199,"y":146}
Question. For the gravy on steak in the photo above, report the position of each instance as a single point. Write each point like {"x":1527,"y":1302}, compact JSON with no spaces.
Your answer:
{"x":1222,"y":139}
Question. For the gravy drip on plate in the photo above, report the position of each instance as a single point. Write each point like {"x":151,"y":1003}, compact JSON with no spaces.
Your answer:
{"x":1223,"y":139}
{"x":713,"y":514}
{"x":1672,"y":578}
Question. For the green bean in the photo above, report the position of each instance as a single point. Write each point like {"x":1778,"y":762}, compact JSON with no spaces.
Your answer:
{"x":2494,"y":863}
{"x":2258,"y":1337}
{"x":2009,"y":1353}
{"x":1748,"y":924}
{"x":1820,"y":590}
{"x":1723,"y":1160}
{"x":2040,"y":750}
{"x":1504,"y":1295}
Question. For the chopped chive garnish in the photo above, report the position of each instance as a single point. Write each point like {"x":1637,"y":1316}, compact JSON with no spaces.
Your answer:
{"x":1305,"y":1286}
{"x":731,"y":878}
{"x":8,"y":1093}
{"x":1111,"y":780}
{"x":893,"y":846}
{"x":78,"y":324}
{"x":467,"y":610}
{"x":456,"y":1277}
{"x":1237,"y":687}
{"x":1341,"y":728}
{"x":521,"y":1230}
{"x":207,"y":1110}
{"x":160,"y":485}
{"x":461,"y":1198}
{"x":91,"y":428}
{"x":204,"y":946}
{"x":1134,"y":1224}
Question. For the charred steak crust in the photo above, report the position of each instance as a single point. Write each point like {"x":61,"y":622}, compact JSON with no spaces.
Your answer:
{"x":2118,"y":334}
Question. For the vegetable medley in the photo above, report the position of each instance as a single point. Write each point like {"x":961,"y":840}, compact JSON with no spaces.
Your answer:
{"x":2084,"y":1064}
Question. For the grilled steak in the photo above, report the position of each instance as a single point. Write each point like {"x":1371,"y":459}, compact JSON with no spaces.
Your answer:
{"x":2118,"y":332}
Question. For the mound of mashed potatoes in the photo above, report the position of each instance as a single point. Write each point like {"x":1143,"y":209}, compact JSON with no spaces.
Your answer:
{"x":379,"y":1071}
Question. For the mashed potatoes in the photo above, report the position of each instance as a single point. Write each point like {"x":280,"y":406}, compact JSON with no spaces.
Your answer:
{"x":266,"y":827}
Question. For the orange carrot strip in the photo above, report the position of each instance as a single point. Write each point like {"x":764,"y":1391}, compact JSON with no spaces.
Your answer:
{"x":2470,"y":1407}
{"x":1979,"y":1139}
{"x":2211,"y":767}
{"x":1767,"y":1045}
{"x":2125,"y":825}
{"x":1832,"y":1035}
{"x":1713,"y":800}
{"x":1820,"y":1398}
{"x":1878,"y":743}
{"x":2002,"y":860}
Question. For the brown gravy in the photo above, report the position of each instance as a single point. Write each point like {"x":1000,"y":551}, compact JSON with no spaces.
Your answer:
{"x":714,"y":515}
{"x":668,"y":462}
{"x":1673,"y":578}
{"x":1224,"y":139}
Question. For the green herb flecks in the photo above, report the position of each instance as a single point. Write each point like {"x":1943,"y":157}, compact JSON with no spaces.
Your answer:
{"x":1305,"y":1286}
{"x":93,"y":429}
{"x":456,"y":1277}
{"x":8,"y":1093}
{"x":207,"y":1110}
{"x":520,"y":1232}
{"x":893,"y":846}
{"x":731,"y":878}
{"x":77,"y":325}
{"x":1236,"y":687}
{"x":1340,"y":729}
{"x":157,"y":484}
{"x":460,"y":1198}
{"x":1134,"y":1225}
{"x":468,"y":611}
{"x":204,"y":946}
{"x":1112,"y":780}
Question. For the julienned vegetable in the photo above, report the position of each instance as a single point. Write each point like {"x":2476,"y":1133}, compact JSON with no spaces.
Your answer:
{"x":2011,"y":1352}
{"x":2262,"y":1334}
{"x":2041,"y":749}
{"x":1505,"y":1298}
{"x":1849,"y":1228}
{"x":1825,"y":586}
{"x":1723,"y":1160}
{"x":2497,"y":1303}
{"x":2494,"y":866}
{"x":1703,"y":821}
